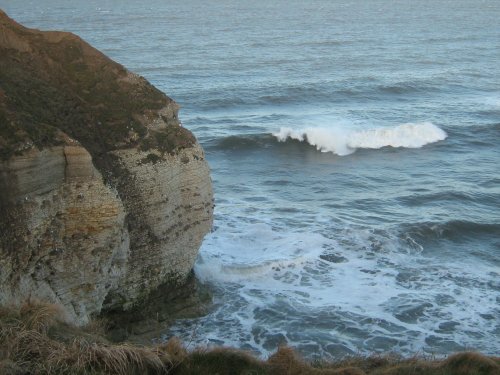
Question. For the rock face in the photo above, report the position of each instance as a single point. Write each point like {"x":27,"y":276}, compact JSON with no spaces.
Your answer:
{"x":172,"y":205}
{"x":104,"y":196}
{"x":64,"y":239}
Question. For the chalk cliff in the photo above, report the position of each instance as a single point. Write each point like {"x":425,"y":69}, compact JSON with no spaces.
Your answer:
{"x":104,"y":196}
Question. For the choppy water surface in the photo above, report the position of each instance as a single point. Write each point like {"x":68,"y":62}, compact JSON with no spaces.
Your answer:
{"x":354,"y":148}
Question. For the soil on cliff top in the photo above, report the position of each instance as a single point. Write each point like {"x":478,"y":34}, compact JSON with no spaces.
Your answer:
{"x":53,"y":83}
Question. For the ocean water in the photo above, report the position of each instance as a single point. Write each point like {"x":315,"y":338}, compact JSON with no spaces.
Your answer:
{"x":354,"y":148}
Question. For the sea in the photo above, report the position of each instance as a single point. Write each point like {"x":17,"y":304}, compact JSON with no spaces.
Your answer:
{"x":354,"y":147}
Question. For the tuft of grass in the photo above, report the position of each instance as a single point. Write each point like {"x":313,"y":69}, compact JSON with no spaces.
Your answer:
{"x":286,"y":361}
{"x":40,"y":316}
{"x":471,"y":364}
{"x":176,"y":351}
{"x":84,"y":357}
{"x":35,"y":339}
{"x":221,"y":361}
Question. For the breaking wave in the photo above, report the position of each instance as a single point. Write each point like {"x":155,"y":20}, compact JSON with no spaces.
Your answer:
{"x":452,"y":230}
{"x":344,"y":142}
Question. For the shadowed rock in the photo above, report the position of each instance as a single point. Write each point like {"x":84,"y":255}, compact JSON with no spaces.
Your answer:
{"x":104,"y":196}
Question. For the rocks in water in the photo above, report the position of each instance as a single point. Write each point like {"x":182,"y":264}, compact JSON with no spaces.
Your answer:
{"x":333,"y":258}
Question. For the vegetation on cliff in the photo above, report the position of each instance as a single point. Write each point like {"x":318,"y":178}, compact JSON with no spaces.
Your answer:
{"x":105,"y":197}
{"x":35,"y":340}
{"x":53,"y":82}
{"x":54,"y":85}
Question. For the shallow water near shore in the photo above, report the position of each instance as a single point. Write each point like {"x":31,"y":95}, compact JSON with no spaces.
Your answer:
{"x":354,"y":155}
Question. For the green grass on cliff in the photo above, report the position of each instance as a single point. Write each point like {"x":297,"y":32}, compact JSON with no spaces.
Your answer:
{"x":35,"y":340}
{"x":54,"y":82}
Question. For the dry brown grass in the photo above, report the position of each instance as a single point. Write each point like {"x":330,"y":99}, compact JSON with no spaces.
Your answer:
{"x":39,"y":316}
{"x":83,"y":356}
{"x":286,"y":361}
{"x":34,"y":339}
{"x":175,"y":350}
{"x":220,"y":361}
{"x":471,"y":363}
{"x":31,"y":340}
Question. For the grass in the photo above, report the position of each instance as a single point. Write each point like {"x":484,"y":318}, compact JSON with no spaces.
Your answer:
{"x":69,"y":87}
{"x":35,"y":339}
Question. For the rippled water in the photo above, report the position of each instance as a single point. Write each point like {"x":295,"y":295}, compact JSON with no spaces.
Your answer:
{"x":355,"y":159}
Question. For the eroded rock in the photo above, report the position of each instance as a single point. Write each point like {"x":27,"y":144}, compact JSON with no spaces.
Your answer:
{"x":104,"y":196}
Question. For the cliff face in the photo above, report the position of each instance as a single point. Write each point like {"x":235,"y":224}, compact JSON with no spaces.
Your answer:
{"x":63,"y":237}
{"x":104,"y":196}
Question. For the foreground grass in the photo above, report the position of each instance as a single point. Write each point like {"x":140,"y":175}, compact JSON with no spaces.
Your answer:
{"x":35,"y":340}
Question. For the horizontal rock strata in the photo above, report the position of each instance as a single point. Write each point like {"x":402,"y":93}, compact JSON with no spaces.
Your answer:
{"x":104,"y":196}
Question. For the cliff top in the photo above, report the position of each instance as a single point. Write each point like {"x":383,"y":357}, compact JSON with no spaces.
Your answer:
{"x":58,"y":348}
{"x":54,"y":83}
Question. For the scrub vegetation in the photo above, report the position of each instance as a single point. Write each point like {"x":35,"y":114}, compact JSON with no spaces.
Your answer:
{"x":34,"y":339}
{"x":54,"y":83}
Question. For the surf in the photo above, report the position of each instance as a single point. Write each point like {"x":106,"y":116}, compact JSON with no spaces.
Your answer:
{"x":342,"y":142}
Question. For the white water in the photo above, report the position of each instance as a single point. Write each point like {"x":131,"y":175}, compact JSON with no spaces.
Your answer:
{"x":342,"y":142}
{"x":359,"y":68}
{"x":376,"y":289}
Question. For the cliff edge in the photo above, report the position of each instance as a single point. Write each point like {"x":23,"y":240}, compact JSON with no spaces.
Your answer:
{"x":104,"y":195}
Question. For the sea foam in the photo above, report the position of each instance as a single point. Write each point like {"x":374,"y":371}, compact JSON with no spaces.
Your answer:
{"x":344,"y":142}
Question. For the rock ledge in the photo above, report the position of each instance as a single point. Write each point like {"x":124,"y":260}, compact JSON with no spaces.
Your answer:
{"x":104,"y":196}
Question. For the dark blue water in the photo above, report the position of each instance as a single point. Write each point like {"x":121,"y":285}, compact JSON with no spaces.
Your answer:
{"x":354,"y":148}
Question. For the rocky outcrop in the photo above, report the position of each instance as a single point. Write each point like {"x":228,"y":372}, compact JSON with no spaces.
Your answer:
{"x":64,"y":238}
{"x":104,"y":195}
{"x":172,"y":204}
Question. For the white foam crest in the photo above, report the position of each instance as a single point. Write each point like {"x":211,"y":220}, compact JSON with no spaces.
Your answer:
{"x":344,"y":142}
